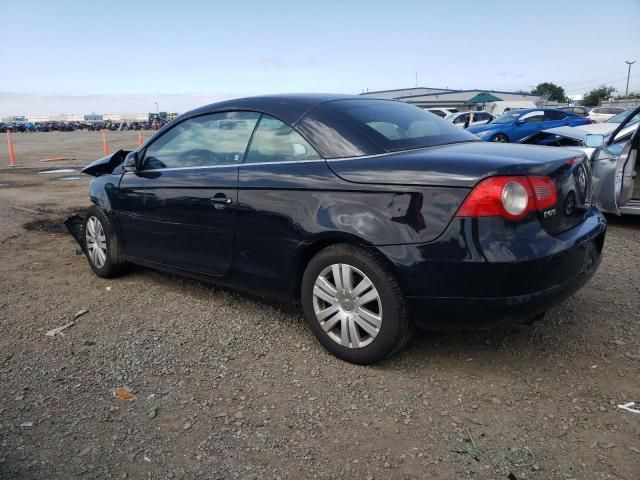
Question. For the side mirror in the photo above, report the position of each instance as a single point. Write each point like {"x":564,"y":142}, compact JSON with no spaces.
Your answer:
{"x":519,"y":122}
{"x":593,"y":140}
{"x":131,"y":162}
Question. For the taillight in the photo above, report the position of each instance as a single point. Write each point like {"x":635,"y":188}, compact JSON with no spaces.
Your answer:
{"x":544,"y":189}
{"x":509,"y":197}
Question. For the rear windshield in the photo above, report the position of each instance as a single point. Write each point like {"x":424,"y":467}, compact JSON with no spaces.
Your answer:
{"x":396,"y":125}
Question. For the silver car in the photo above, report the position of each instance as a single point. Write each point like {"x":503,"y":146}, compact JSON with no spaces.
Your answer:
{"x":614,"y":160}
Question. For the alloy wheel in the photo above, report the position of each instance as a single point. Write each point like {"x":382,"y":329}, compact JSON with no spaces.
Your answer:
{"x":347,"y":305}
{"x":96,"y":242}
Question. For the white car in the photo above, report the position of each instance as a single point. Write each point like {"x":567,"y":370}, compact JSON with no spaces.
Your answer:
{"x":460,"y":119}
{"x":602,"y":114}
{"x":441,"y":112}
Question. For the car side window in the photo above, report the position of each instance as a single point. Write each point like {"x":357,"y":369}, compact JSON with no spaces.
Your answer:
{"x":481,"y":116}
{"x":461,"y":118}
{"x":533,"y":117}
{"x":207,"y":140}
{"x":275,"y":141}
{"x":555,"y":115}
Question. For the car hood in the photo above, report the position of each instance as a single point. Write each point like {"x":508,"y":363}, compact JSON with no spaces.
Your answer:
{"x":579,"y":133}
{"x":603,"y":128}
{"x":454,"y":165}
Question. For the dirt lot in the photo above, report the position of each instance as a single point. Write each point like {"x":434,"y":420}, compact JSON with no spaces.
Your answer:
{"x":231,"y":386}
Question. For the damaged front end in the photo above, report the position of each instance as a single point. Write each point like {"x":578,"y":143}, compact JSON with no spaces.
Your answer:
{"x":75,"y":225}
{"x":105,"y":165}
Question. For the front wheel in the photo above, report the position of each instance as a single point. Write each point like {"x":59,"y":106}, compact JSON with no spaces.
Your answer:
{"x":354,"y":306}
{"x":500,"y":138}
{"x":102,"y":245}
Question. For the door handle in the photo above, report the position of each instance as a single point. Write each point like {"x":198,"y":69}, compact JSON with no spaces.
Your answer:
{"x":221,"y":198}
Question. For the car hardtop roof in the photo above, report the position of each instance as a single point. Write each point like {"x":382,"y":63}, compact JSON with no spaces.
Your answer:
{"x":289,"y":107}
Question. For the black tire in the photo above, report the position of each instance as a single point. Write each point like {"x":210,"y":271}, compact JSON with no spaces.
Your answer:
{"x":114,"y":263}
{"x":499,"y":138}
{"x":396,"y":327}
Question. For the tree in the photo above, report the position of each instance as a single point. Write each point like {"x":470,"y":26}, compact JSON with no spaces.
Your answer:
{"x":595,"y":96}
{"x":555,"y":92}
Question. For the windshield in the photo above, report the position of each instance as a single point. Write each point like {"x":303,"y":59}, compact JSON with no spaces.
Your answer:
{"x":508,"y":117}
{"x":397,"y":125}
{"x":621,"y":117}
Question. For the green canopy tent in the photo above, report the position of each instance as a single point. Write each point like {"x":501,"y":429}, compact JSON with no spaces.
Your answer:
{"x":482,"y":97}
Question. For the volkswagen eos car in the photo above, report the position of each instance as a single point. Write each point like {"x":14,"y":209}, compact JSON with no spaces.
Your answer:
{"x":375,"y":215}
{"x":517,"y":124}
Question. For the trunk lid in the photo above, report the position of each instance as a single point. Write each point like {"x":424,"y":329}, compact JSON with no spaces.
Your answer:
{"x":465,"y":164}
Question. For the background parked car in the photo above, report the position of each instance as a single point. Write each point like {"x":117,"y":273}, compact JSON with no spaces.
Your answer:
{"x":605,"y":128}
{"x":602,"y":114}
{"x":518,"y":124}
{"x":460,"y":119}
{"x":441,"y":112}
{"x":577,"y":110}
{"x":502,"y":106}
{"x":613,"y":157}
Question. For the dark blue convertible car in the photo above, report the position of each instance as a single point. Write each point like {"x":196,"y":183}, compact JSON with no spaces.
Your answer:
{"x":518,"y":124}
{"x":375,"y":215}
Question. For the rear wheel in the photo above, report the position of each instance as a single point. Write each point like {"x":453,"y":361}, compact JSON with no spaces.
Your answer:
{"x":500,"y":138}
{"x":102,"y":245}
{"x":353,"y":305}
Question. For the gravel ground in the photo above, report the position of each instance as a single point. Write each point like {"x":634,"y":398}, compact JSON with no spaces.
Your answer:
{"x":226,"y":385}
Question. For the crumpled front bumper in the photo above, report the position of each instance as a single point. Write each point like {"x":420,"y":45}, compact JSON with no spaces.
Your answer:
{"x":74,"y":224}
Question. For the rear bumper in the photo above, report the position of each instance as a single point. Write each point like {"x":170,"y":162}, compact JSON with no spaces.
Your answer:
{"x":481,"y":284}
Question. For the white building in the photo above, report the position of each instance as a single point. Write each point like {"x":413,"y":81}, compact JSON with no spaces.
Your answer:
{"x":443,"y":97}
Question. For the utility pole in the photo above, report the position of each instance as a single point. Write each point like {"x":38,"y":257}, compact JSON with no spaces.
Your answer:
{"x":626,"y":93}
{"x":157,"y":111}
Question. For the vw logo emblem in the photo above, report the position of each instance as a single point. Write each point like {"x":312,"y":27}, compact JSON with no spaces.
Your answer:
{"x":570,"y":204}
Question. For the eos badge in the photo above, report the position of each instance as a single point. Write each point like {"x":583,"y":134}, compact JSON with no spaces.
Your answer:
{"x":549,"y":213}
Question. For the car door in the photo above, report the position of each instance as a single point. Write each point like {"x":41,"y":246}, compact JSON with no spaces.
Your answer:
{"x":178,"y":208}
{"x":613,"y":168}
{"x":527,"y":124}
{"x":556,"y":118}
{"x":278,"y":176}
{"x":480,"y":118}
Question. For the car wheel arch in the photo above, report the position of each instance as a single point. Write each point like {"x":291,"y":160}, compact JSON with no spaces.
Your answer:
{"x":316,"y":245}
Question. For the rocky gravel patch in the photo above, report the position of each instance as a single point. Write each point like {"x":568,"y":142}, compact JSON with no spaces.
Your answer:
{"x":164,"y":377}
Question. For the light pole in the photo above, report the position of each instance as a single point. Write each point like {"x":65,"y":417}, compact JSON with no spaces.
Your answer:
{"x":626,"y":93}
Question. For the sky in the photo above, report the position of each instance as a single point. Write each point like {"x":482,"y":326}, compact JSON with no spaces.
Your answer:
{"x":122,"y":56}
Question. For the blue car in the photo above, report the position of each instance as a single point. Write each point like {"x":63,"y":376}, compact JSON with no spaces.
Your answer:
{"x":518,"y":124}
